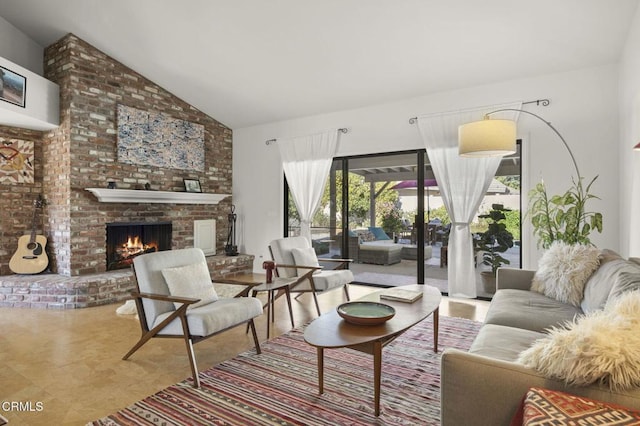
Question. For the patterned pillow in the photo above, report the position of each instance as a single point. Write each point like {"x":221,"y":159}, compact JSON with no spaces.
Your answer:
{"x":191,"y":281}
{"x":546,"y":407}
{"x":564,"y":270}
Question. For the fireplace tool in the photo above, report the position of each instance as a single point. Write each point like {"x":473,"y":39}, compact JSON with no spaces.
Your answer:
{"x":231,"y":249}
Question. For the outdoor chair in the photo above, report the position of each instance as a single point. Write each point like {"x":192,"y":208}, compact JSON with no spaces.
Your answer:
{"x":176,"y":299}
{"x":296,"y":258}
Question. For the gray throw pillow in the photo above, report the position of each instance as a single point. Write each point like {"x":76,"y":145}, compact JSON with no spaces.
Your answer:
{"x":599,"y":285}
{"x":625,"y":281}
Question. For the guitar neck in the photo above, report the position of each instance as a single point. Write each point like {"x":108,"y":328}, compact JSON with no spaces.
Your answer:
{"x":36,"y":205}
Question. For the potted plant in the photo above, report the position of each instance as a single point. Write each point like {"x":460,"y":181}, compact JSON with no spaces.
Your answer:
{"x":563,"y":217}
{"x":391,"y":219}
{"x":495,"y":240}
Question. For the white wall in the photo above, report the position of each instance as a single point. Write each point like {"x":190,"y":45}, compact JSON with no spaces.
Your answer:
{"x":17,"y":47}
{"x":629,"y":136}
{"x":20,"y":54}
{"x":584,"y":107}
{"x":42,"y":102}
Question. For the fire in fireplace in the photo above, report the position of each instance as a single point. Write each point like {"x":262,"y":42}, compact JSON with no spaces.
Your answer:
{"x":127,"y":240}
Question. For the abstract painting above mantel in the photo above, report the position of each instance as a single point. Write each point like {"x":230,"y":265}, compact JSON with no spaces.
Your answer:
{"x":148,"y":138}
{"x":16,"y":161}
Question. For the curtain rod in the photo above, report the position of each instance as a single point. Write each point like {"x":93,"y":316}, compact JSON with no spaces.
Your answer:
{"x":270,"y":141}
{"x":538,"y":102}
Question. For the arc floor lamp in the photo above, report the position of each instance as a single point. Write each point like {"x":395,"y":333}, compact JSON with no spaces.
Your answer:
{"x":497,"y":137}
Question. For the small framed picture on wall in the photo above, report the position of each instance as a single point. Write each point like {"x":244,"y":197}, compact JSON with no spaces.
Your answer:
{"x":13,"y":87}
{"x":192,"y":185}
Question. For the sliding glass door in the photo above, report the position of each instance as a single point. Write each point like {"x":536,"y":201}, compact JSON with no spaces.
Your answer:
{"x":386,"y":213}
{"x":366,"y":217}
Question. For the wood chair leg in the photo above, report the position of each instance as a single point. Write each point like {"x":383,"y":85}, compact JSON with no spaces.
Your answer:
{"x":254,"y":294}
{"x":192,"y":362}
{"x":315,"y":300}
{"x":190,"y":353}
{"x":251,"y":325}
{"x":144,"y":339}
{"x":288,"y":294}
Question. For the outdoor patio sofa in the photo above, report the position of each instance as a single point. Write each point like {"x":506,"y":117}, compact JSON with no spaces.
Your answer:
{"x":373,"y":246}
{"x":486,"y":385}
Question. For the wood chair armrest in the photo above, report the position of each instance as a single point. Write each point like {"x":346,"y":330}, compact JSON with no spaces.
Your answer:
{"x":239,"y":282}
{"x":234,"y":281}
{"x":314,"y":268}
{"x":165,"y":297}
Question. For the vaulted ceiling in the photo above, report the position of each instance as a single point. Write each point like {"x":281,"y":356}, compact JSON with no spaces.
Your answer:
{"x":248,"y":62}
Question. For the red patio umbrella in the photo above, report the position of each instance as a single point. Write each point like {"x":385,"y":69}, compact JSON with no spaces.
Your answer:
{"x":428,"y":183}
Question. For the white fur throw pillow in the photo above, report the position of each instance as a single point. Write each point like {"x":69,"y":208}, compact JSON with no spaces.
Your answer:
{"x":600,"y":347}
{"x":563,"y":271}
{"x":191,"y":281}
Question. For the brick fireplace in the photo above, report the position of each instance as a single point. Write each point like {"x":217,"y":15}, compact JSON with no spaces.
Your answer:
{"x":128,"y":240}
{"x":81,"y":154}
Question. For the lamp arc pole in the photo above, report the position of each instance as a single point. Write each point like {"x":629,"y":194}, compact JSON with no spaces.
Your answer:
{"x":566,"y":145}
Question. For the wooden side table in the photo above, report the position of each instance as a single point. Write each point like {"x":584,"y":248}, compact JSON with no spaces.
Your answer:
{"x":270,"y":288}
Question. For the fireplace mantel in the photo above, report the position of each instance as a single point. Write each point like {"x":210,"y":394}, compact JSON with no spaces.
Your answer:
{"x":106,"y":195}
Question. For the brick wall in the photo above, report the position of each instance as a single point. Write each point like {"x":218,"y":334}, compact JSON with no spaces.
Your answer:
{"x":16,"y":201}
{"x":81,"y":153}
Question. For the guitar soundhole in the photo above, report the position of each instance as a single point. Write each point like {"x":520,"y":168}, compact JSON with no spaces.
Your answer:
{"x":37,"y":250}
{"x":32,"y":246}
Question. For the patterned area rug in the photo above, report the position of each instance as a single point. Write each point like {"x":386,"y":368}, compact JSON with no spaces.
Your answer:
{"x":280,"y":386}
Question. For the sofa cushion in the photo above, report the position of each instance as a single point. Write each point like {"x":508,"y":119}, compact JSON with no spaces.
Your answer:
{"x":385,"y":245}
{"x":601,"y":347}
{"x":528,"y":310}
{"x":564,"y":270}
{"x":598,"y":287}
{"x":379,"y":233}
{"x":365,"y":235}
{"x":501,"y":342}
{"x":625,"y":281}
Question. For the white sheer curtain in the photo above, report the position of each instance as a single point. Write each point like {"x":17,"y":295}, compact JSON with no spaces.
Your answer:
{"x":306,"y":161}
{"x":462,"y":182}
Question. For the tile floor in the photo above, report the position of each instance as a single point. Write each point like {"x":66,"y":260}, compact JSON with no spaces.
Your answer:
{"x":65,"y":367}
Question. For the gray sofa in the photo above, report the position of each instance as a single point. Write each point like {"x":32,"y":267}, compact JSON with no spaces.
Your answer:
{"x":485,"y":386}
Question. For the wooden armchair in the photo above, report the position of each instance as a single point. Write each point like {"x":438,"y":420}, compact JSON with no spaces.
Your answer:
{"x":295,"y":258}
{"x":176,"y":299}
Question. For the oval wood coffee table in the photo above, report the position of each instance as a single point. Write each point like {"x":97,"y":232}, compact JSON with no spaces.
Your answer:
{"x":330,"y":331}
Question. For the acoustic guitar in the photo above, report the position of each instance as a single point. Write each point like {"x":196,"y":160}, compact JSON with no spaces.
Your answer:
{"x":31,"y":257}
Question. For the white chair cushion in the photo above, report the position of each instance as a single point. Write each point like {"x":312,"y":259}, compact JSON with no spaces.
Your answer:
{"x":191,"y":281}
{"x":305,"y":257}
{"x":327,"y":280}
{"x":214,"y":317}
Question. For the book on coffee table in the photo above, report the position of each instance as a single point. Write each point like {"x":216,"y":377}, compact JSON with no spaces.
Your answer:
{"x":401,"y":295}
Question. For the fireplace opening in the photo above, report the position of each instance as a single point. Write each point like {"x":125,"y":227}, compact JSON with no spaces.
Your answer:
{"x":127,"y":240}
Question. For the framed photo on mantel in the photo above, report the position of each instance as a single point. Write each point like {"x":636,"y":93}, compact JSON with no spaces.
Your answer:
{"x":192,"y":185}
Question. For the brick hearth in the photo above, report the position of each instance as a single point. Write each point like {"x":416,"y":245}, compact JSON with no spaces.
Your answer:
{"x":52,"y":291}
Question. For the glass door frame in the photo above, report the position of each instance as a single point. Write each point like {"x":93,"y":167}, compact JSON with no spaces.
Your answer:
{"x":344,"y":208}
